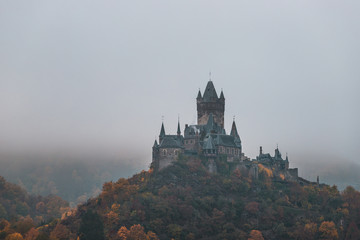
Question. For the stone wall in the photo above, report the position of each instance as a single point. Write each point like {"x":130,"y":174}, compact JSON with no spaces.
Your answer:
{"x":167,"y":156}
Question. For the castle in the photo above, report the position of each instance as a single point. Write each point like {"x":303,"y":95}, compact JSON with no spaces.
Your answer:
{"x":208,"y":138}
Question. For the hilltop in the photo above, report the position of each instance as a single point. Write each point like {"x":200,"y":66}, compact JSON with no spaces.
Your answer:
{"x":186,"y":201}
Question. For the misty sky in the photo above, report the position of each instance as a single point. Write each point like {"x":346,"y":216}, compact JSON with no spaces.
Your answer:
{"x":91,"y":78}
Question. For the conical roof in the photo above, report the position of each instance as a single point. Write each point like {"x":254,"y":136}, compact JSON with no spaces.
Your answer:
{"x":199,"y":95}
{"x":222,"y":95}
{"x":235,"y":134}
{"x":210,"y":92}
{"x":178,"y":128}
{"x":162,"y":131}
{"x":234,"y":131}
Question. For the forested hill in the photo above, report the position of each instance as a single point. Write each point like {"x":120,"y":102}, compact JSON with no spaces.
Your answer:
{"x":21,"y":213}
{"x":184,"y":201}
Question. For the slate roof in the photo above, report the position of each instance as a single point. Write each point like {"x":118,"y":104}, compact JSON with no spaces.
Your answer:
{"x":172,"y":141}
{"x":210,"y":94}
{"x":223,"y":140}
{"x":222,"y":95}
{"x":199,"y":95}
{"x":162,"y":131}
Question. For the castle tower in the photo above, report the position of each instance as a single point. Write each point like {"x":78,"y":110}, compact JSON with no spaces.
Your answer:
{"x":210,"y":103}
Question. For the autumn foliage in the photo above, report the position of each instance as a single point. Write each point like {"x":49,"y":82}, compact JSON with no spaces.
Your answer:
{"x":185,"y":201}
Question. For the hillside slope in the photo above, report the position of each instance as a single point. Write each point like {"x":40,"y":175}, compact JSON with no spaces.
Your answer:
{"x":184,"y":201}
{"x":21,"y":212}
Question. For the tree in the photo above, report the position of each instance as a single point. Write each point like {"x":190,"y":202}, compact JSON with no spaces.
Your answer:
{"x":32,"y":234}
{"x":24,"y":225}
{"x":60,"y":232}
{"x":352,"y":232}
{"x":136,"y":232}
{"x":310,"y":230}
{"x":256,"y":235}
{"x":252,"y":207}
{"x":328,"y":230}
{"x":91,"y":227}
{"x":14,"y":236}
{"x":123,"y":233}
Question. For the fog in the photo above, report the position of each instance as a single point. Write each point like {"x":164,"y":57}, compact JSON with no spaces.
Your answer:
{"x":92,"y":79}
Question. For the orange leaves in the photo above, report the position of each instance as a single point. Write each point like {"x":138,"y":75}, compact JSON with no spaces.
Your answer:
{"x":310,"y":230}
{"x":282,"y":176}
{"x":268,"y":172}
{"x":136,"y":232}
{"x":14,"y":236}
{"x":123,"y":233}
{"x":256,"y":235}
{"x":32,"y":234}
{"x":328,"y":230}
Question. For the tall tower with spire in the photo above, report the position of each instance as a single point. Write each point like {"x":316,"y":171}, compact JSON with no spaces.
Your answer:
{"x":208,"y":103}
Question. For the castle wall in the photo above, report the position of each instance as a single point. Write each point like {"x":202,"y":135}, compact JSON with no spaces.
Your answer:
{"x":191,"y":144}
{"x":231,"y":153}
{"x":167,"y":156}
{"x":293,"y":172}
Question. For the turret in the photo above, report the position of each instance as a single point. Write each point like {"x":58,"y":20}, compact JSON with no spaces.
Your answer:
{"x":222,"y":98}
{"x":210,"y":103}
{"x":235,"y":134}
{"x":155,"y":144}
{"x":277,"y":153}
{"x":178,"y":129}
{"x":199,"y":97}
{"x":234,"y":131}
{"x":162,"y":133}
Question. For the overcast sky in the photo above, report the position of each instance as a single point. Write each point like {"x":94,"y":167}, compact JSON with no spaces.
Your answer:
{"x":94,"y":77}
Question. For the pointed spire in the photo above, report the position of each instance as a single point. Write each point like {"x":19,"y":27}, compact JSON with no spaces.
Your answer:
{"x":222,"y":95}
{"x":162,"y":131}
{"x":210,"y":92}
{"x":155,"y":144}
{"x":199,"y":95}
{"x":178,"y":128}
{"x":277,"y":152}
{"x":234,"y":131}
